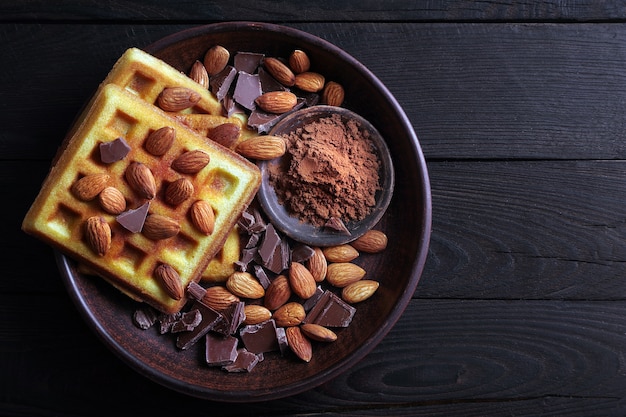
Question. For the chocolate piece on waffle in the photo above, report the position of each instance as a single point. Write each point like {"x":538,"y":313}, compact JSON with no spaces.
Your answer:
{"x":228,"y":183}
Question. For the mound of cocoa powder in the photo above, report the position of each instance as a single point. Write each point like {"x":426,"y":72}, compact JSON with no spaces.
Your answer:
{"x":330,"y":170}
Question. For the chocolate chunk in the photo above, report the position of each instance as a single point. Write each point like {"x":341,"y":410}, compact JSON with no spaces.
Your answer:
{"x":281,"y":337}
{"x":253,"y":241}
{"x":337,"y":225}
{"x":187,"y":322}
{"x":310,"y":302}
{"x":259,"y":338}
{"x":231,"y":107}
{"x":210,"y":318}
{"x":301,"y":253}
{"x":167,"y":321}
{"x":145,"y":317}
{"x":232,"y":317}
{"x":263,"y":121}
{"x":245,"y":362}
{"x":261,"y":275}
{"x":195,"y":290}
{"x":247,"y":89}
{"x":133,"y":219}
{"x":330,"y":311}
{"x":220,"y":350}
{"x":221,"y":82}
{"x":271,"y":240}
{"x":269,"y":83}
{"x":114,"y":151}
{"x":247,"y":61}
{"x":246,"y":221}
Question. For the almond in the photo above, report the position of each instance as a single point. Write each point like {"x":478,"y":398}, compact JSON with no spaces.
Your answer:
{"x":299,"y":61}
{"x":177,"y":98}
{"x":216,"y":59}
{"x":317,"y":265}
{"x":178,"y":191}
{"x":219,"y":298}
{"x":98,"y":234}
{"x":245,"y":285}
{"x":311,"y":82}
{"x":281,"y":72}
{"x":298,"y":343}
{"x":256,"y":314}
{"x":199,"y":74}
{"x":290,"y":314}
{"x":373,"y":241}
{"x":160,"y":141}
{"x":225,"y":134}
{"x":301,"y":281}
{"x":88,"y":187}
{"x":318,"y":333}
{"x":202,"y":216}
{"x":340,"y":253}
{"x":333,"y":94}
{"x":277,"y":101}
{"x":112,"y":200}
{"x":342,"y":274}
{"x":263,"y":147}
{"x":169,"y":278}
{"x":359,"y":291}
{"x":141,"y":179}
{"x":277,"y":293}
{"x":191,"y":162}
{"x":159,"y":227}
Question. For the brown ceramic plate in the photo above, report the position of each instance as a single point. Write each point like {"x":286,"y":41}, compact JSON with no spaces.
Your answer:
{"x":407,"y":222}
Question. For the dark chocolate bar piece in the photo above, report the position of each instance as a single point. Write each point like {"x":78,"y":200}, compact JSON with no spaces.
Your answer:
{"x":247,"y":89}
{"x":330,"y":311}
{"x":244,"y":363}
{"x":133,"y":219}
{"x":260,"y":338}
{"x":114,"y":151}
{"x":210,"y":318}
{"x":220,"y":350}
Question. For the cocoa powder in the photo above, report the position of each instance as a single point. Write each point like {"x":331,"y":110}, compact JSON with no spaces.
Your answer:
{"x":330,"y":170}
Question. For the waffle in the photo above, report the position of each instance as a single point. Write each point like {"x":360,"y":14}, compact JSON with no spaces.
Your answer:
{"x":229,"y":183}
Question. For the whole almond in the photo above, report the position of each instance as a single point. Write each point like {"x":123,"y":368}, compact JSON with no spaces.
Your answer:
{"x":178,"y":191}
{"x":199,"y":74}
{"x":340,"y":253}
{"x":245,"y":285}
{"x":298,"y":343}
{"x":299,"y":61}
{"x":202,"y":216}
{"x":169,"y":278}
{"x":317,"y":265}
{"x":277,"y":293}
{"x":290,"y":314}
{"x":219,"y":297}
{"x":141,"y":179}
{"x":175,"y":99}
{"x":159,"y":227}
{"x":160,"y":141}
{"x":216,"y":59}
{"x":98,"y":234}
{"x":333,"y":94}
{"x":88,"y":187}
{"x":262,"y":147}
{"x":359,"y":291}
{"x":281,"y":72}
{"x":301,"y":281}
{"x":256,"y":314}
{"x":226,"y":134}
{"x":318,"y":333}
{"x":311,"y":82}
{"x":112,"y":200}
{"x":191,"y":162}
{"x":277,"y":101}
{"x":373,"y":241}
{"x":341,"y":274}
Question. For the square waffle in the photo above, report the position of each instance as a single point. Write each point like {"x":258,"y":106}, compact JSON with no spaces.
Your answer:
{"x":228,"y":183}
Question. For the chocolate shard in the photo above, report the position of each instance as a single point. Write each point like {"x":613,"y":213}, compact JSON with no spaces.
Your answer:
{"x":310,"y":302}
{"x":221,"y":82}
{"x":337,"y":225}
{"x":195,"y":290}
{"x":232,"y":317}
{"x":244,"y":362}
{"x":187,"y":322}
{"x":261,"y":275}
{"x":301,"y":253}
{"x":271,"y":240}
{"x":281,"y":337}
{"x":145,"y":317}
{"x":260,"y":338}
{"x":269,"y":83}
{"x":247,"y":89}
{"x":330,"y":311}
{"x":133,"y":220}
{"x":166,"y":321}
{"x":247,"y":61}
{"x":210,"y":318}
{"x":220,"y":350}
{"x":263,"y":121}
{"x":114,"y":151}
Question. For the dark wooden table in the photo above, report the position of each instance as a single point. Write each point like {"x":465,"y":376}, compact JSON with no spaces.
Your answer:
{"x":520,"y":108}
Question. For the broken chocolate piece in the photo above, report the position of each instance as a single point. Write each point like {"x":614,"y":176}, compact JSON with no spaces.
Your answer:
{"x":247,"y":61}
{"x":232,"y":317}
{"x":261,"y":275}
{"x":263,"y":121}
{"x":220,"y":350}
{"x":337,"y":225}
{"x":210,"y":318}
{"x":133,"y":219}
{"x":269,"y":83}
{"x":167,"y":321}
{"x":330,"y":311}
{"x":114,"y":151}
{"x":221,"y":82}
{"x":301,"y":253}
{"x":145,"y":317}
{"x":268,"y":246}
{"x":281,"y":337}
{"x":259,"y":338}
{"x":195,"y":290}
{"x":310,"y":302}
{"x":187,"y":322}
{"x":247,"y":89}
{"x":245,"y":362}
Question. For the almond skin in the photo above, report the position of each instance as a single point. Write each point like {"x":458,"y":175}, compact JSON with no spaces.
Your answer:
{"x":112,"y":200}
{"x":256,"y":314}
{"x":318,"y":265}
{"x":202,"y":216}
{"x":311,"y":82}
{"x":245,"y":285}
{"x":299,"y":344}
{"x":160,"y":141}
{"x":216,"y":59}
{"x":301,"y":281}
{"x":191,"y":162}
{"x":141,"y":179}
{"x":318,"y":333}
{"x":219,"y":298}
{"x":277,"y":101}
{"x":169,"y":278}
{"x":199,"y":74}
{"x":263,"y":147}
{"x":290,"y":314}
{"x":178,"y":191}
{"x":299,"y":61}
{"x":333,"y":94}
{"x":340,"y":253}
{"x":98,"y":234}
{"x":373,"y":241}
{"x":225,"y":134}
{"x":88,"y":187}
{"x":175,"y":99}
{"x":281,"y":72}
{"x":278,"y":293}
{"x":359,"y":291}
{"x":341,"y":274}
{"x":159,"y":227}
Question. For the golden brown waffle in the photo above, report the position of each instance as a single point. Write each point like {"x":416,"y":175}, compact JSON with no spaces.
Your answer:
{"x":229,"y":183}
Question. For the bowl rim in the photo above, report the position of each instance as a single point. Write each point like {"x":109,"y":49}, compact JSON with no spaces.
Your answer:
{"x":68,"y":272}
